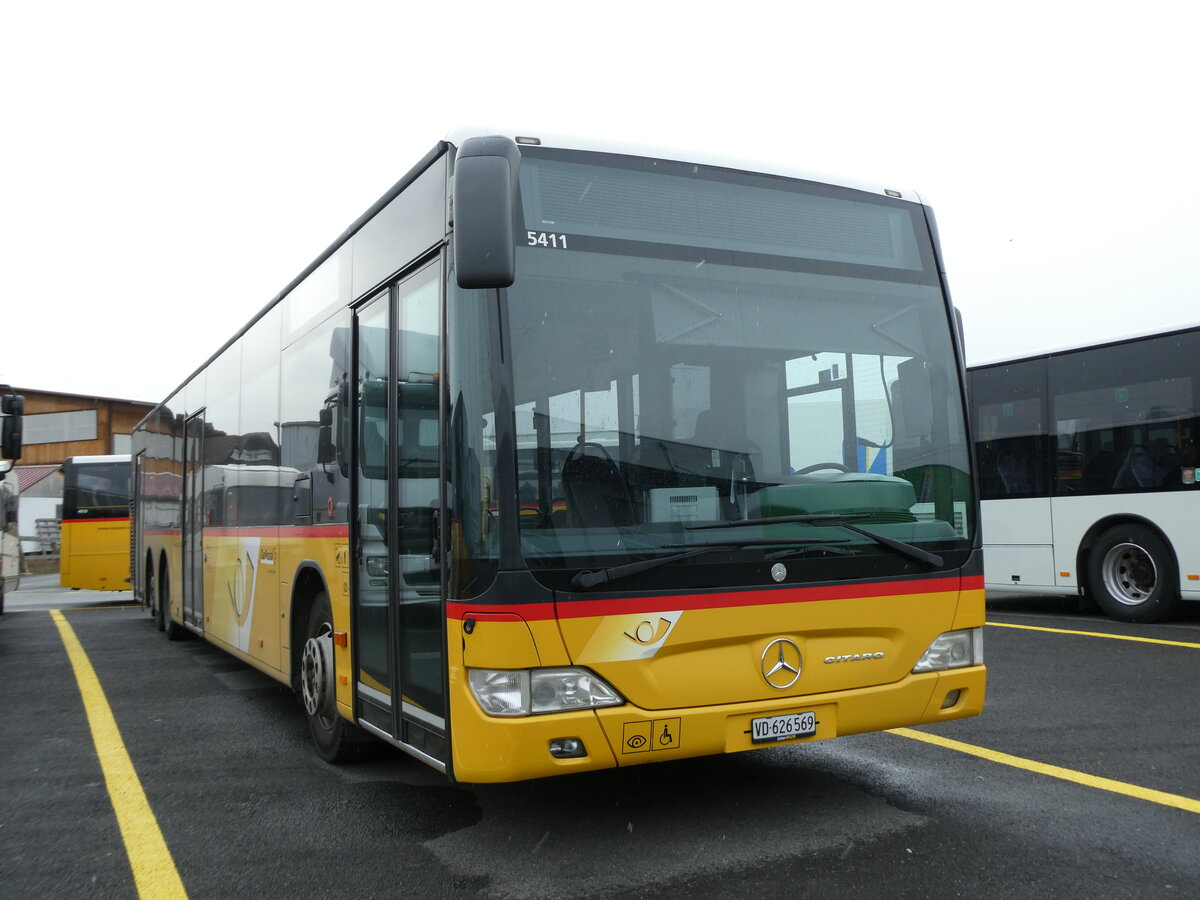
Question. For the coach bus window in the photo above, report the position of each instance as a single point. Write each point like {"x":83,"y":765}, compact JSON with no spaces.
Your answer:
{"x":314,"y":370}
{"x":100,"y":486}
{"x":1010,"y":429}
{"x":1127,"y":414}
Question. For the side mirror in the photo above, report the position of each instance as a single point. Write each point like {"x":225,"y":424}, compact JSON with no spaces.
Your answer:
{"x":14,"y":409}
{"x":485,"y":191}
{"x":326,"y":452}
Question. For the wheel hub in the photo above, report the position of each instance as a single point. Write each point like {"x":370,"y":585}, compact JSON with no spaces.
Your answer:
{"x":316,"y":674}
{"x":1129,"y":574}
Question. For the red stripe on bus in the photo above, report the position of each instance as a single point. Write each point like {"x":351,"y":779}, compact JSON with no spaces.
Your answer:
{"x":80,"y":521}
{"x":577,"y":609}
{"x":334,"y":531}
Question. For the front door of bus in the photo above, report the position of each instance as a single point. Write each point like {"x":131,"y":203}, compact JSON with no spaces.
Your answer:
{"x":398,"y":603}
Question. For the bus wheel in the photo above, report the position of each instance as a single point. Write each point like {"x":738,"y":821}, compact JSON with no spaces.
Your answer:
{"x":150,"y":592}
{"x":336,"y":739}
{"x":1132,"y":575}
{"x":174,"y":630}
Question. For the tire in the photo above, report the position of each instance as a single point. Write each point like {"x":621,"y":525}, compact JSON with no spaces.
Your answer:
{"x":156,"y":589}
{"x":150,"y":591}
{"x":1132,"y":575}
{"x":337,"y":740}
{"x":174,"y":630}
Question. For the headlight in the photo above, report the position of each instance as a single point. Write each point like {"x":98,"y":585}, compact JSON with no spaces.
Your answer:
{"x":559,"y":690}
{"x":953,"y":650}
{"x":524,"y":692}
{"x":501,"y":693}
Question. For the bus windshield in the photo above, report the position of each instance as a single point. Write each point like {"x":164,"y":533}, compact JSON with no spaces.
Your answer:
{"x":99,"y":488}
{"x":694,"y":346}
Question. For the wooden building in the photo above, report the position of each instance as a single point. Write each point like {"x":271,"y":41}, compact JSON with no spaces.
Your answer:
{"x":57,"y":425}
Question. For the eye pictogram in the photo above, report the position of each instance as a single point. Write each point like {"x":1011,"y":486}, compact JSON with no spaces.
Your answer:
{"x":636,"y":742}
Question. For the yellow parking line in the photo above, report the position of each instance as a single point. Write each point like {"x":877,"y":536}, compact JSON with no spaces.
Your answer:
{"x":154,"y":870}
{"x":1105,"y":784}
{"x":1097,"y":634}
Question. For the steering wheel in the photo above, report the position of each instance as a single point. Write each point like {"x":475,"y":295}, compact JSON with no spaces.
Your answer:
{"x":817,"y":467}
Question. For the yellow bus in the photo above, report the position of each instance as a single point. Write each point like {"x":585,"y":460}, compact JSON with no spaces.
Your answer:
{"x":95,"y":523}
{"x":567,"y":456}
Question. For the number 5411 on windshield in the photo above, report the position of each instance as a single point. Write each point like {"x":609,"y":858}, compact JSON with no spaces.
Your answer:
{"x":547,"y":239}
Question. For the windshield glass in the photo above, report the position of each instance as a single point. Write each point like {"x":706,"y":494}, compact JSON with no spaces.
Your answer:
{"x":696,"y":346}
{"x":96,"y":489}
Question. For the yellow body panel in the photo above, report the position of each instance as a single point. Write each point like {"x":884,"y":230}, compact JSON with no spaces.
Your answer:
{"x":95,"y":554}
{"x":692,"y":677}
{"x":241,"y":596}
{"x":709,"y":661}
{"x":248,"y":593}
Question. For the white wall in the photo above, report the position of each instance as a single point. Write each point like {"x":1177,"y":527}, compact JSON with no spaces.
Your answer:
{"x":30,"y":510}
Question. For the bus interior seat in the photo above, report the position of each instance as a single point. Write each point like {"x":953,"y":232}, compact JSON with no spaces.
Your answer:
{"x":1098,"y":471}
{"x":597,"y":494}
{"x":1136,"y":471}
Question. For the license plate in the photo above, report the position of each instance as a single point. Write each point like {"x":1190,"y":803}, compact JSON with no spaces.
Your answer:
{"x":783,"y":728}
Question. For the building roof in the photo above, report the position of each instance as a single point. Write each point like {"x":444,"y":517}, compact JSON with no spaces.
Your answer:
{"x":25,"y":391}
{"x":28,"y":476}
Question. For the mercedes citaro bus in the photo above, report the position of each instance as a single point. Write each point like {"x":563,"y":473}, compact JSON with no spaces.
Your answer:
{"x":567,"y":456}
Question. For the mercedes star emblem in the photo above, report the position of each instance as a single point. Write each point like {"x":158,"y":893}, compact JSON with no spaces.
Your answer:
{"x":781,"y":663}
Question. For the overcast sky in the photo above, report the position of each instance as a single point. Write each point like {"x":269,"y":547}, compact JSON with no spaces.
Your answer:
{"x":168,"y":168}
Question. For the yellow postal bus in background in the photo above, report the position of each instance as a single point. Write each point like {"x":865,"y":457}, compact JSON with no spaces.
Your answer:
{"x":568,"y":456}
{"x":95,"y":523}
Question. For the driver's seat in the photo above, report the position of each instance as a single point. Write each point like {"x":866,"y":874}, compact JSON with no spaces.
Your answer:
{"x":597,"y":495}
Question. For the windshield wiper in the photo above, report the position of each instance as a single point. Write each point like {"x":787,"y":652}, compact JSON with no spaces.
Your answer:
{"x":840,"y":521}
{"x":587,"y":579}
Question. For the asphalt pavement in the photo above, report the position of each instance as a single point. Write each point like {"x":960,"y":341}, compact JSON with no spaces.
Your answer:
{"x":246,"y":807}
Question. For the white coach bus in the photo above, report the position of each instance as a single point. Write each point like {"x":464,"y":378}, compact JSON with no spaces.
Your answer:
{"x":1087,"y":466}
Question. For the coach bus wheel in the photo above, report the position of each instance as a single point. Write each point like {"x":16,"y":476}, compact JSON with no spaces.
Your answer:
{"x":174,"y":630}
{"x":1132,"y":575}
{"x":333,"y":735}
{"x":150,"y":591}
{"x":153,"y":592}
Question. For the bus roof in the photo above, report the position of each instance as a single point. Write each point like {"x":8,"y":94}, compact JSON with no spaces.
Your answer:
{"x":545,"y":139}
{"x":1074,"y":347}
{"x":96,"y":460}
{"x":767,"y":166}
